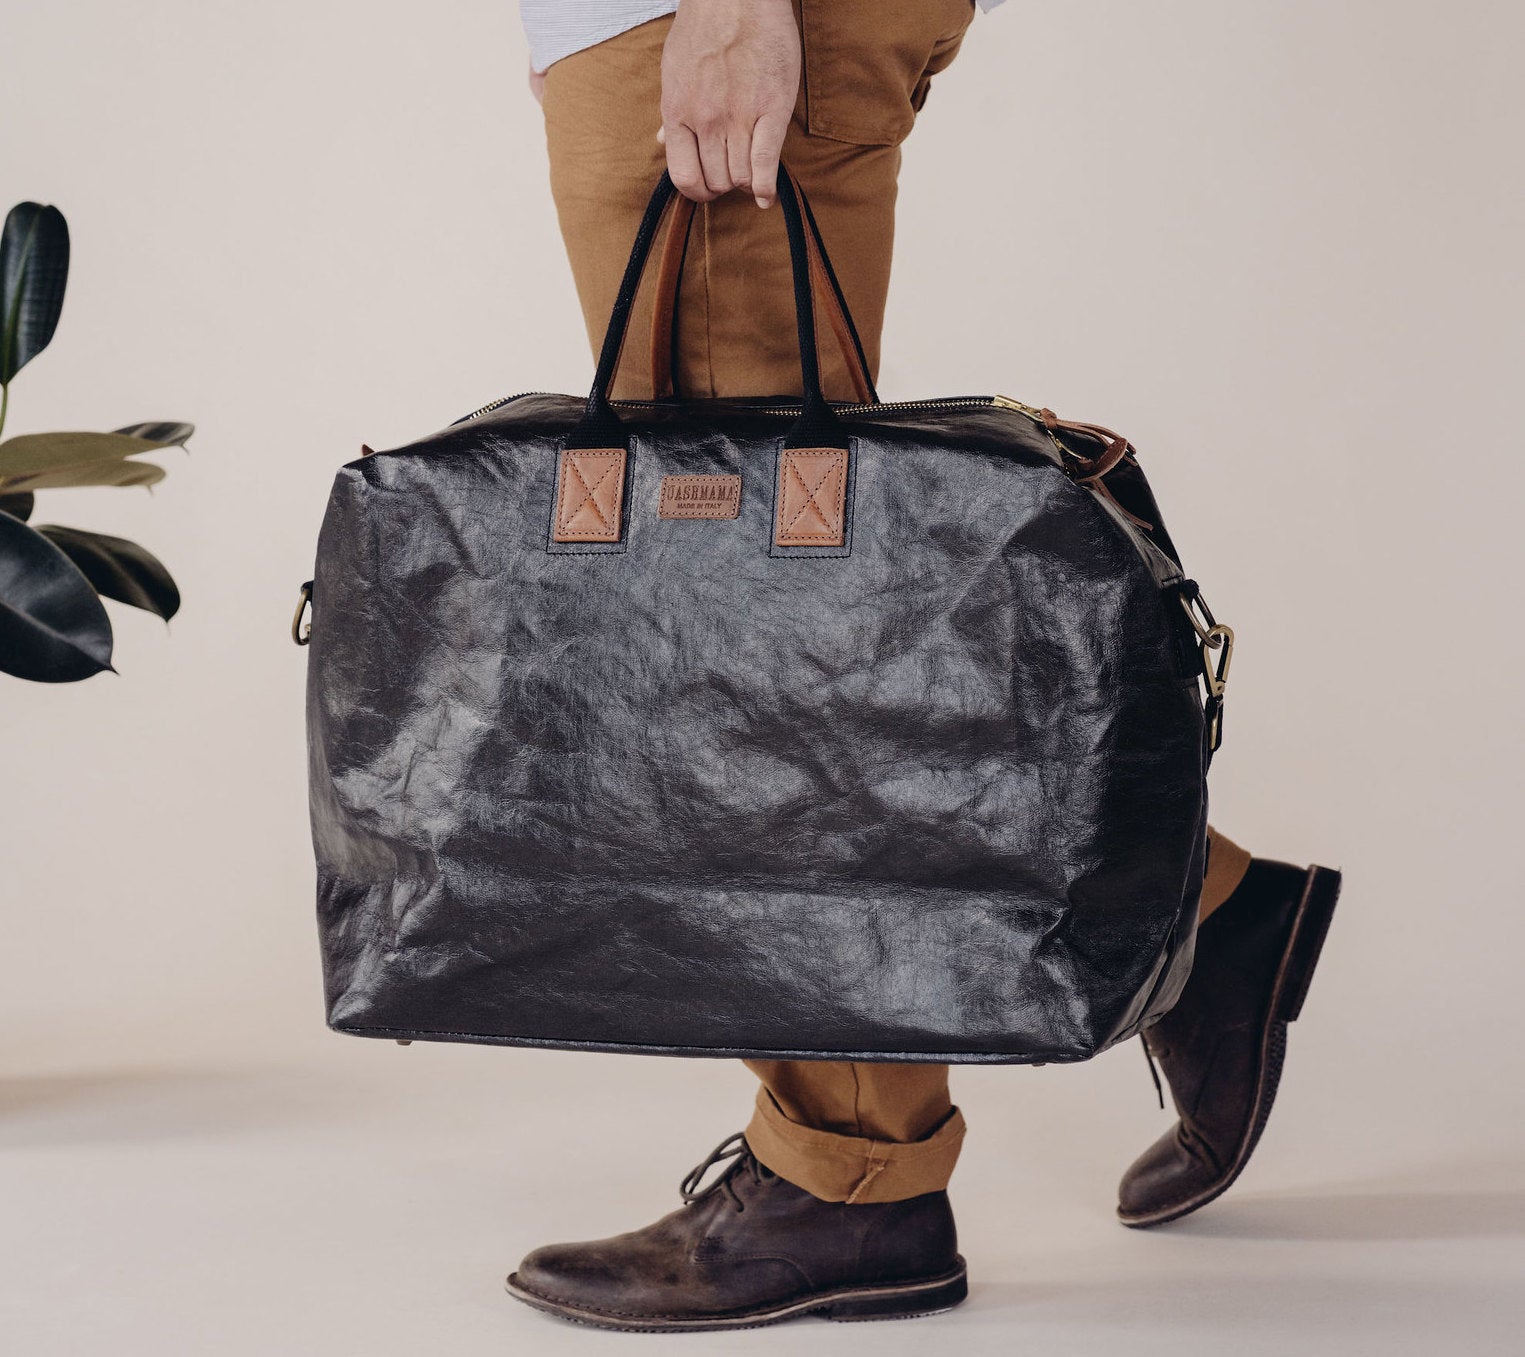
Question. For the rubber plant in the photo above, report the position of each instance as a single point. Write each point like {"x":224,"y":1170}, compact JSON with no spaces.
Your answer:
{"x":53,"y":626}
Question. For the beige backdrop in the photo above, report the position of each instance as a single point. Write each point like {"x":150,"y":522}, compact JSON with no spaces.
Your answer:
{"x":1278,"y":244}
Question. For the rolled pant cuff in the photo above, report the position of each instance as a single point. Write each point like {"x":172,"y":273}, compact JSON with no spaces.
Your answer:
{"x":843,"y":1168}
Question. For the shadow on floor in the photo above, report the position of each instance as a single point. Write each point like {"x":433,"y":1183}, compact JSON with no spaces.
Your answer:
{"x":135,"y":1105}
{"x":1364,"y":1217}
{"x":1322,"y":1309}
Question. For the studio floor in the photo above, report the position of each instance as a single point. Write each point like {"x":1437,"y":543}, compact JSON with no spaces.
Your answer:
{"x":356,"y":1198}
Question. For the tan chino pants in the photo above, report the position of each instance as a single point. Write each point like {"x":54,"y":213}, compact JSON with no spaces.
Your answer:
{"x":842,"y":1130}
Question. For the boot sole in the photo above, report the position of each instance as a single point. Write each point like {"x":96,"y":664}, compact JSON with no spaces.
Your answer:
{"x":1305,"y":943}
{"x":904,"y":1300}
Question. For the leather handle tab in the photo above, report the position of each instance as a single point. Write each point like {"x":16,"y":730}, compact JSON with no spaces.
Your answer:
{"x":590,"y":495}
{"x":811,"y":504}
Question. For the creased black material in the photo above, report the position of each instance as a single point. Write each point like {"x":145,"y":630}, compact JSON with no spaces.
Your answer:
{"x":940,"y":797}
{"x":931,"y":788}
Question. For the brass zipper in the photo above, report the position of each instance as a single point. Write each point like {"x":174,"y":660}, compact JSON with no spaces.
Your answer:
{"x":498,"y":405}
{"x":1069,"y":459}
{"x":943,"y":403}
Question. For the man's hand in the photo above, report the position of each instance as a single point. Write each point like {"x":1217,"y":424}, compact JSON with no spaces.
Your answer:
{"x":730,"y":74}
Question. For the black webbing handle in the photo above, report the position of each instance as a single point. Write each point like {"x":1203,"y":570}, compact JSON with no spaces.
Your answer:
{"x":817,"y":425}
{"x":668,"y":309}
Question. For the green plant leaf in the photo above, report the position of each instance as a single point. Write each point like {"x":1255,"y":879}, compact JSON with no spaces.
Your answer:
{"x":118,"y":569}
{"x":27,"y":454}
{"x":37,"y":460}
{"x":18,"y":506}
{"x":34,"y":267}
{"x":53,"y":628}
{"x":90,"y":473}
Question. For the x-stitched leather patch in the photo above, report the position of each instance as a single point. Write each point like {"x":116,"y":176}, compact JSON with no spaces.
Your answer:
{"x":699,"y":497}
{"x":589,"y":495}
{"x":812,"y":498}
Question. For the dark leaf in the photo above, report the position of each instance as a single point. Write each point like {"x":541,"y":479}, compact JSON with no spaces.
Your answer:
{"x":118,"y":569}
{"x":34,"y":266}
{"x":52,"y":626}
{"x":18,"y":506}
{"x":165,"y":433}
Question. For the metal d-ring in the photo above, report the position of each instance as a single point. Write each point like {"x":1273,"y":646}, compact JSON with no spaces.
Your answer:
{"x":300,"y":634}
{"x":1216,"y":652}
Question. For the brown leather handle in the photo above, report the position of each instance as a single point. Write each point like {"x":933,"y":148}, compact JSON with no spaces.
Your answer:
{"x":670,"y":276}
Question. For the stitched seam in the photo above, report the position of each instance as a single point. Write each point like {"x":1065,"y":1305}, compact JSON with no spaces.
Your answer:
{"x":584,"y":1308}
{"x":561,"y":497}
{"x":589,"y":496}
{"x":592,"y":496}
{"x":568,"y":515}
{"x":832,"y":537}
{"x":810,"y":493}
{"x":570,"y":462}
{"x":886,"y":1288}
{"x":729,"y":1052}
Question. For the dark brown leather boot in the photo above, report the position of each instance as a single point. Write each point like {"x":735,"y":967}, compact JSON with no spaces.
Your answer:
{"x":1222,"y":1046}
{"x":751,"y":1249}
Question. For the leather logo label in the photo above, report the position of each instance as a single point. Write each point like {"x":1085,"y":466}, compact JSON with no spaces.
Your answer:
{"x":588,"y":498}
{"x":700,"y":497}
{"x":812,"y":498}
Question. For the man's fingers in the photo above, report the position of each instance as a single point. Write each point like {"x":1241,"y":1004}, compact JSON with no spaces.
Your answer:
{"x":738,"y":154}
{"x":711,"y":162}
{"x":767,"y":145}
{"x":717,"y":168}
{"x":683,"y":164}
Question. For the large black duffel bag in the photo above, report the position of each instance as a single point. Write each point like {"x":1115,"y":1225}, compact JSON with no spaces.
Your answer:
{"x":767,"y":727}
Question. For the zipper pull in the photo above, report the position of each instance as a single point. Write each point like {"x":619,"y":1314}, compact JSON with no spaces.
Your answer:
{"x":1009,"y":403}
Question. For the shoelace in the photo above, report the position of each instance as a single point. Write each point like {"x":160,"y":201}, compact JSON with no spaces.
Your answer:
{"x":734,"y":1148}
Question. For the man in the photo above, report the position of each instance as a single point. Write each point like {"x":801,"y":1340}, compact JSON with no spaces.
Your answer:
{"x":834,"y":1201}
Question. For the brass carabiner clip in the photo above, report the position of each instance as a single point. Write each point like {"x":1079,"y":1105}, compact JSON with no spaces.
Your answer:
{"x":300,"y":634}
{"x":1216,"y":649}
